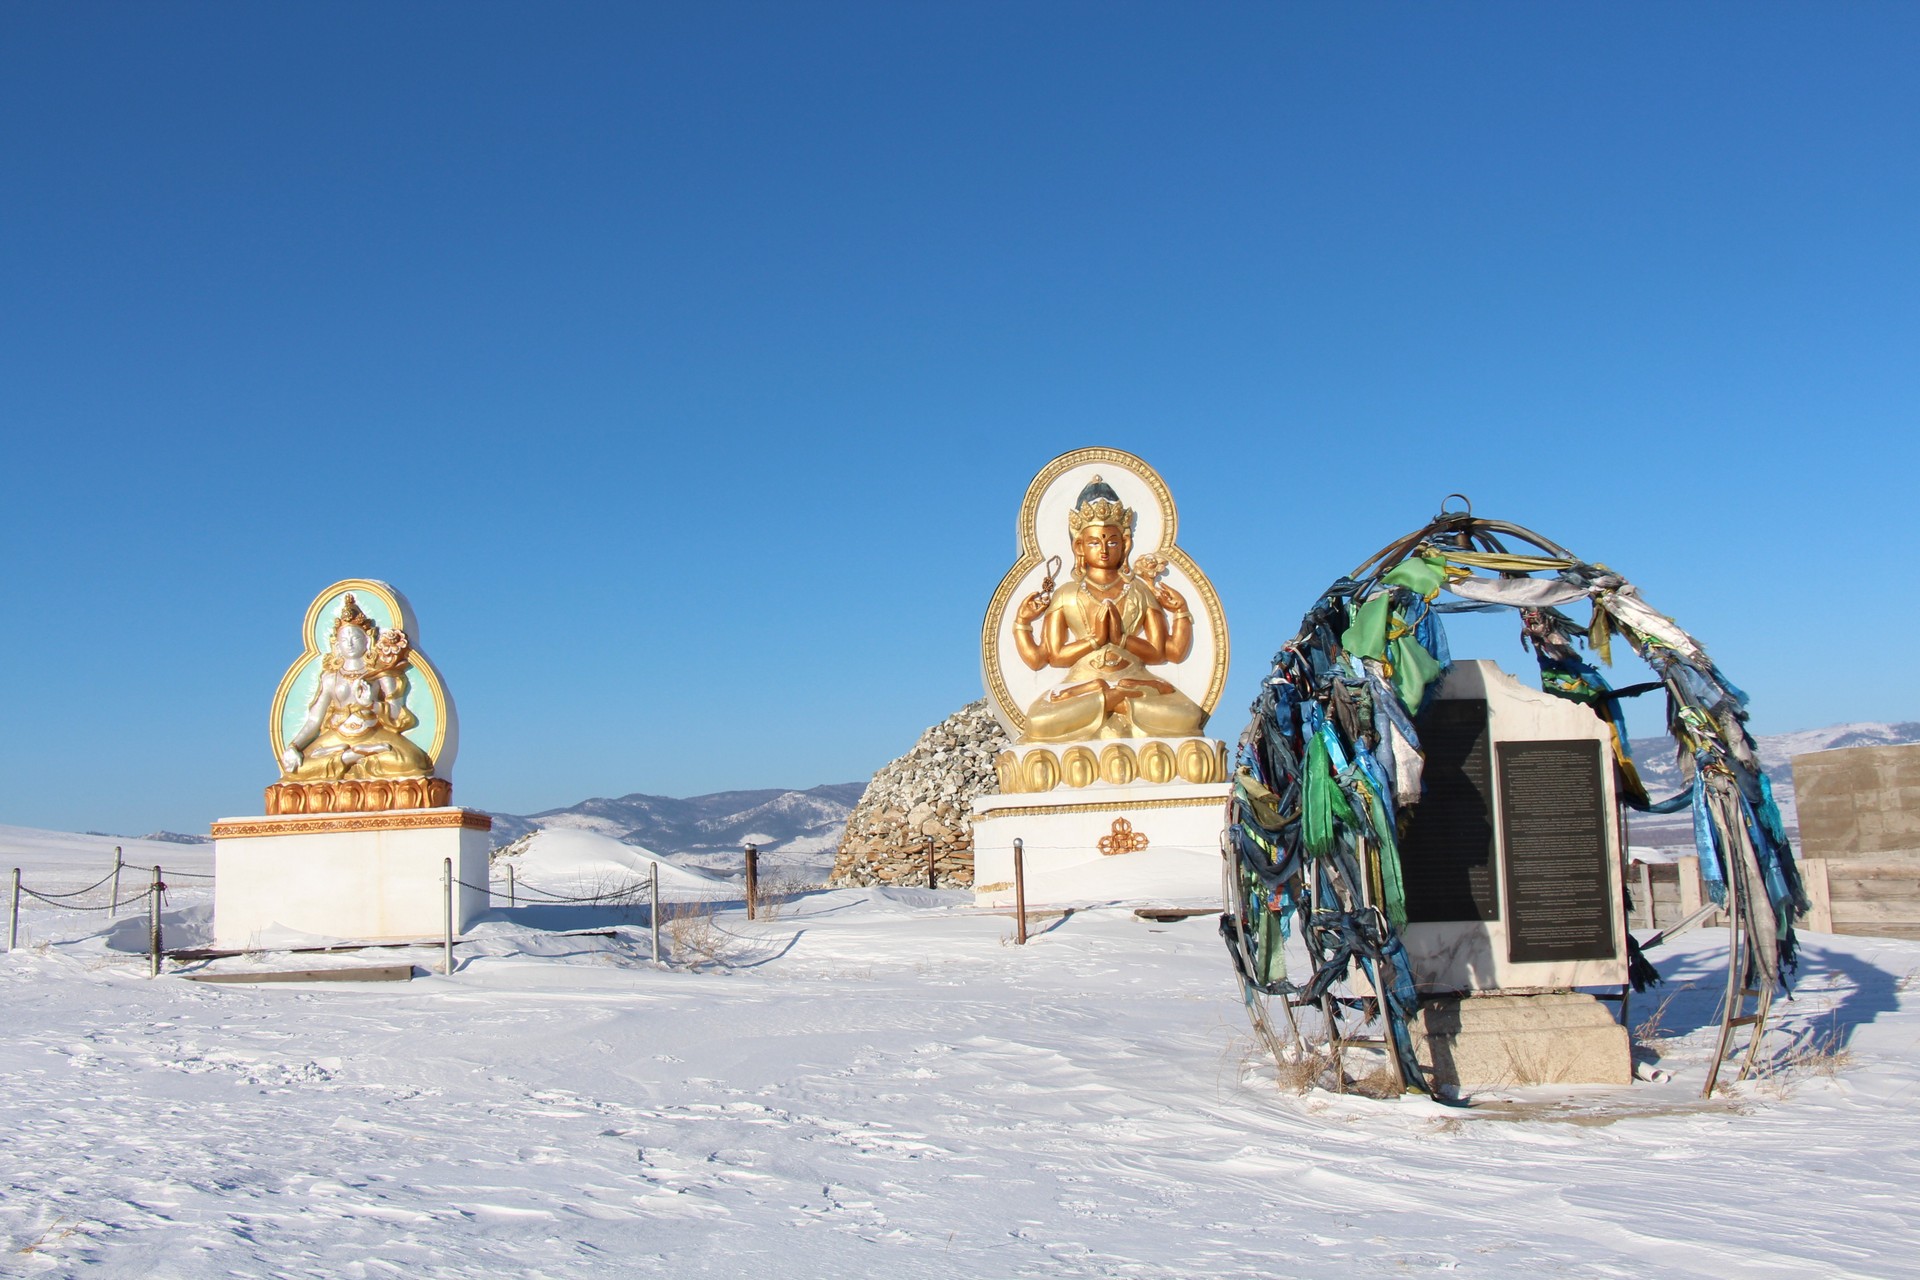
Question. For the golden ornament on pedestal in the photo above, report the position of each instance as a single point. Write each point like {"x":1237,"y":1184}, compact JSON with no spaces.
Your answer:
{"x":1122,"y":839}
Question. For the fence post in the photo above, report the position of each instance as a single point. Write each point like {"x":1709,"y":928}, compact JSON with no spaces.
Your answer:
{"x":513,"y":893}
{"x":446,"y":959}
{"x":753,"y":879}
{"x":13,"y":924}
{"x":153,"y":923}
{"x":930,"y":871}
{"x":114,"y":911}
{"x":653,"y":908}
{"x":1019,"y":893}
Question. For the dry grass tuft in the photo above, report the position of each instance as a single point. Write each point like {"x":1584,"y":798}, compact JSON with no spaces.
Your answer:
{"x":1818,"y":1051}
{"x":1315,"y":1066}
{"x":1377,"y":1084}
{"x":694,"y":937}
{"x":60,"y":1230}
{"x":613,"y":889}
{"x":774,"y":894}
{"x":1301,"y":1070}
{"x":1648,"y":1034}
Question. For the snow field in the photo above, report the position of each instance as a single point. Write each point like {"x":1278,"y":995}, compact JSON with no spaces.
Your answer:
{"x":877,"y":1082}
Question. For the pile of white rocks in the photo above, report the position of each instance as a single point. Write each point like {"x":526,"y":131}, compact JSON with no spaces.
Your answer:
{"x":926,"y":792}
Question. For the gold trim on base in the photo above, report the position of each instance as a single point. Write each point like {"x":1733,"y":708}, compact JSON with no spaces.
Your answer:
{"x":1029,"y":811}
{"x":400,"y":820}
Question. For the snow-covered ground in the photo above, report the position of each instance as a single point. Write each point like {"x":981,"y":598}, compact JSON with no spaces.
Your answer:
{"x":875,"y":1082}
{"x":571,"y":863}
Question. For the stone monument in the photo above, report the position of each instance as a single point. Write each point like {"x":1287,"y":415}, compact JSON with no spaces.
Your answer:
{"x":360,"y":823}
{"x":918,"y":805}
{"x":1513,"y":873}
{"x":1103,"y":651}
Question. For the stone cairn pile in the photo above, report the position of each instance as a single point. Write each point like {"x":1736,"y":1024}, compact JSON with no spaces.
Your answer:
{"x":926,"y":792}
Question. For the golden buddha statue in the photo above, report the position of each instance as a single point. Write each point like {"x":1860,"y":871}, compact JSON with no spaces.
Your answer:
{"x":1107,"y":628}
{"x":357,"y":719}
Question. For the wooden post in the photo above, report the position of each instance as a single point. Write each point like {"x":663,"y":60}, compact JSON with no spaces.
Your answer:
{"x":1813,"y":876}
{"x":114,"y":910}
{"x":930,"y":871}
{"x":153,"y":923}
{"x":1647,"y":912}
{"x":753,"y":879}
{"x":653,"y":908}
{"x":446,"y":958}
{"x":513,"y":893}
{"x":1019,"y":894}
{"x":1693,"y":892}
{"x":13,"y":925}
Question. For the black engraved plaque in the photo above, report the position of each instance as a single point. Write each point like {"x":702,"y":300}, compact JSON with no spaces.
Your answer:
{"x":1553,"y":827}
{"x":1446,"y":855}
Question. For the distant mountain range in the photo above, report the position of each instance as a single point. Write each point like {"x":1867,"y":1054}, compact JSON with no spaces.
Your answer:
{"x":707,"y":832}
{"x":802,"y":828}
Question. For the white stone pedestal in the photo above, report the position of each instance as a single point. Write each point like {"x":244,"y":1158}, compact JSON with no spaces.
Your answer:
{"x":1062,"y":832}
{"x":367,"y":877}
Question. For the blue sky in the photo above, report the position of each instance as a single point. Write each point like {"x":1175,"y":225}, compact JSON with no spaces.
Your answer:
{"x":686,"y":365}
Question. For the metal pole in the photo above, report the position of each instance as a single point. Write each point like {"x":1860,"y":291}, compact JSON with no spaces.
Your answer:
{"x":653,"y":910}
{"x":930,"y":873}
{"x":446,"y":960}
{"x":753,"y":878}
{"x":513,"y":894}
{"x":1019,"y":893}
{"x":117,"y":863}
{"x":13,"y":927}
{"x":153,"y":923}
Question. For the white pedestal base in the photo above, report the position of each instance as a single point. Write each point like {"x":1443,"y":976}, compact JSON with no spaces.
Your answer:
{"x":1061,"y":834}
{"x":365,"y":877}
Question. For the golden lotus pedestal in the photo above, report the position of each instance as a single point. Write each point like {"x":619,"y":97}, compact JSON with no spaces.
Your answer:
{"x":287,"y":879}
{"x":373,"y":796}
{"x":1123,"y":820}
{"x":1034,"y":767}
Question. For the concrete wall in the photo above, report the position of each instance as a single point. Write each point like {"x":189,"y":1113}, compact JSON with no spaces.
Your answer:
{"x":1860,"y":838}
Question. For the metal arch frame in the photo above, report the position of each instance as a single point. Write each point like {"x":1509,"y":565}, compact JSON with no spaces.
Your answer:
{"x":1465,"y":530}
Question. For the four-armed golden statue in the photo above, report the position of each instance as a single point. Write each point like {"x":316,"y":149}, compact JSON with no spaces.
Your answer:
{"x":1107,"y":628}
{"x":1106,"y":673}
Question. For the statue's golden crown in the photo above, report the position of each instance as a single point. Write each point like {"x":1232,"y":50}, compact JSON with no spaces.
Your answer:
{"x":351,"y":615}
{"x":1099,"y":504}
